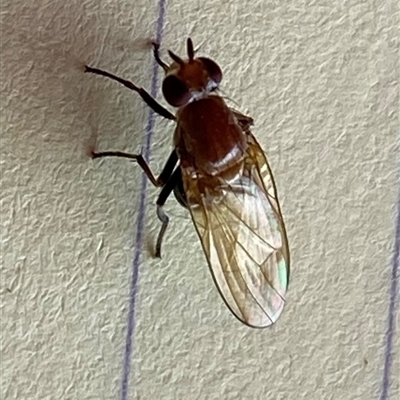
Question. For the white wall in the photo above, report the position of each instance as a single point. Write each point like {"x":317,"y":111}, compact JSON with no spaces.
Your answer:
{"x":321,"y":82}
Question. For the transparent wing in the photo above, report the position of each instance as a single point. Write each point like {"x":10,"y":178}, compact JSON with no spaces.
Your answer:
{"x":244,"y":239}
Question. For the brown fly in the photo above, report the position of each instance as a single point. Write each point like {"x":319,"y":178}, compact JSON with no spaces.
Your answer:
{"x":219,"y":172}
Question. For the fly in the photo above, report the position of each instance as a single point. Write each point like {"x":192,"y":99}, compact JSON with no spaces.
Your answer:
{"x":219,"y":172}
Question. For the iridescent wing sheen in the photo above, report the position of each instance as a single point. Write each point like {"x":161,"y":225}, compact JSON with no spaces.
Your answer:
{"x":244,"y":239}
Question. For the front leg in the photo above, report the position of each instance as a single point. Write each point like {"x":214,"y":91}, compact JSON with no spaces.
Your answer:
{"x":152,"y":103}
{"x":156,"y":53}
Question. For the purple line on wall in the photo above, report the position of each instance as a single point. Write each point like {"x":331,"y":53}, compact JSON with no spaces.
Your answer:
{"x":140,"y":222}
{"x":393,"y":305}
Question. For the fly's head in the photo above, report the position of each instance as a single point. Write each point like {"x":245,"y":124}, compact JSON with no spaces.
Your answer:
{"x":191,"y":79}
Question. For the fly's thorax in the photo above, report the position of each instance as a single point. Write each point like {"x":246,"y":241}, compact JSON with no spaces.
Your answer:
{"x":208,"y":137}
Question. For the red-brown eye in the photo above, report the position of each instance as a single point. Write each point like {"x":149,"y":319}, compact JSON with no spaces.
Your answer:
{"x":214,"y":71}
{"x":175,"y":91}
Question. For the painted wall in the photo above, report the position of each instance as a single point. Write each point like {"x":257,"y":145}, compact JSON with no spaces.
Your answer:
{"x":321,"y":82}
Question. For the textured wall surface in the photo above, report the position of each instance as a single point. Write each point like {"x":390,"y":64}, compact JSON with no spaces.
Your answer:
{"x":321,"y":80}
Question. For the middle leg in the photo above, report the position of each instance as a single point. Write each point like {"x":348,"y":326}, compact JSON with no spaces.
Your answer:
{"x":162,"y":178}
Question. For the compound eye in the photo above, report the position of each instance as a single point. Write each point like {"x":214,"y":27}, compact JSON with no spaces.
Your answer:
{"x":175,"y":91}
{"x":214,"y":71}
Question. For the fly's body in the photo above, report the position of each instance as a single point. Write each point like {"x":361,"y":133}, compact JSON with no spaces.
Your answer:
{"x":219,"y":172}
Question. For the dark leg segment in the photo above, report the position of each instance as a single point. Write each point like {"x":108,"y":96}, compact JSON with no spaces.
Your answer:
{"x":156,"y":52}
{"x":174,"y":180}
{"x":168,"y":168}
{"x":152,"y":103}
{"x":165,"y":173}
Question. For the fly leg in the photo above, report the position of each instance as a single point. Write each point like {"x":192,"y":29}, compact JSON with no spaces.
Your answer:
{"x":150,"y":101}
{"x":168,"y":180}
{"x":173,"y":181}
{"x":162,"y":178}
{"x":156,"y":53}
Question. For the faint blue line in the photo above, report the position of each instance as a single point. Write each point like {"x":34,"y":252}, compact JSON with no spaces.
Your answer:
{"x":140,"y":222}
{"x":393,"y":304}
